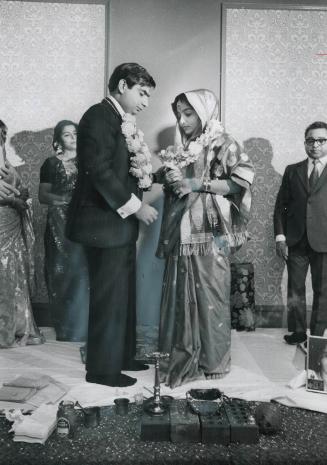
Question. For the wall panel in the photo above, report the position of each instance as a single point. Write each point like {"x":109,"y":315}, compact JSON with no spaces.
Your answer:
{"x":52,"y":67}
{"x":274,"y":86}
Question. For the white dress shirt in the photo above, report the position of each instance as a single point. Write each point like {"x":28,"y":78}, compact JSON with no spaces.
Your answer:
{"x":134,"y":203}
{"x":321,"y":163}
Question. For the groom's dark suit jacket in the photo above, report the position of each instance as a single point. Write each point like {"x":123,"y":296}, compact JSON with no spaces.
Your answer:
{"x":104,"y":183}
{"x":298,"y":210}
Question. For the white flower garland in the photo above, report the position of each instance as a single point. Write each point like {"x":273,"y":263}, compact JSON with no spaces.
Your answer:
{"x":178,"y":157}
{"x":141,"y":166}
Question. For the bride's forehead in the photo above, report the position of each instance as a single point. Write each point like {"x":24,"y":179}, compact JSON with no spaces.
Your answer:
{"x":181,"y":106}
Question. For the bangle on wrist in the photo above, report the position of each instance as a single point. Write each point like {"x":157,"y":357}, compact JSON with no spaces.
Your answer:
{"x":207,"y":185}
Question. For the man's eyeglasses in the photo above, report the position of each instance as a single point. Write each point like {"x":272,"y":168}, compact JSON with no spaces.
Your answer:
{"x":312,"y":142}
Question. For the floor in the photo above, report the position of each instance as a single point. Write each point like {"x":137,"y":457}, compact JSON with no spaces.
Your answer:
{"x":262,"y":365}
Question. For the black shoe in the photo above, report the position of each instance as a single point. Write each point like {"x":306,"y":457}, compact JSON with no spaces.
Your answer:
{"x":295,"y":338}
{"x":111,"y":380}
{"x":135,"y":365}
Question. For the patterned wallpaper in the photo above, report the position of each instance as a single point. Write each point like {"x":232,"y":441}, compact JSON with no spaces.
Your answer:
{"x":52,"y":67}
{"x":275,"y":86}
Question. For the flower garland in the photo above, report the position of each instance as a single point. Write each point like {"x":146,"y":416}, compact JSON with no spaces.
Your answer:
{"x":141,"y":166}
{"x":177,"y":157}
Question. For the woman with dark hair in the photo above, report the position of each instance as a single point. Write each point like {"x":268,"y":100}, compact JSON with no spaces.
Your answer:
{"x":207,"y":204}
{"x":17,"y":326}
{"x":65,"y":263}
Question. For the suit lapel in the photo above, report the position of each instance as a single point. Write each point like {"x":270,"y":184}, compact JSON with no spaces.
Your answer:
{"x":110,"y":106}
{"x":321,"y":180}
{"x":302,"y":172}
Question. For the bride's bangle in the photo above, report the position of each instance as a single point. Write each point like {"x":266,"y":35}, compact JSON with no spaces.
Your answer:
{"x":207,"y":185}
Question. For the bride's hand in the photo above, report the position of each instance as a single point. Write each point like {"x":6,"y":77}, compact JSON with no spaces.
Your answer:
{"x":4,"y":173}
{"x":186,"y":186}
{"x":173,"y":175}
{"x":7,"y":190}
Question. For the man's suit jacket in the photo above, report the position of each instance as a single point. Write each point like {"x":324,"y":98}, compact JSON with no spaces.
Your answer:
{"x":104,"y":183}
{"x":298,"y":210}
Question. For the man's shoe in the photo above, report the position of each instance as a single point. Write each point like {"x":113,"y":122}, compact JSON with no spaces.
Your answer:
{"x":295,"y":338}
{"x":135,"y":365}
{"x":111,"y":380}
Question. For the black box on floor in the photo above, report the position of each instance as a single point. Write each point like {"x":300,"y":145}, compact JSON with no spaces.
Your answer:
{"x":184,"y":425}
{"x":215,"y":429}
{"x":155,"y":427}
{"x":243,"y":427}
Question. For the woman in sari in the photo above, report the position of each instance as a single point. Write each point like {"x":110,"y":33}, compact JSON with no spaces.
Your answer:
{"x":65,"y":263}
{"x":206,"y":209}
{"x":17,"y":326}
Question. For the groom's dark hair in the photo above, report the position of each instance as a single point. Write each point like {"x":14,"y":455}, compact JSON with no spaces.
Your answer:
{"x":133,"y":74}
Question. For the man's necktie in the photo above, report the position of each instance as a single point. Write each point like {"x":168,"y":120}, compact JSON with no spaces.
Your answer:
{"x":314,"y":176}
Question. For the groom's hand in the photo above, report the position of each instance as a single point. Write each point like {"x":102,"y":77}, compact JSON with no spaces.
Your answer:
{"x":146,"y":214}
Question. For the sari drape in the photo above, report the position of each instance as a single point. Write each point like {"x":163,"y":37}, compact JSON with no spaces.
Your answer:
{"x":17,"y":325}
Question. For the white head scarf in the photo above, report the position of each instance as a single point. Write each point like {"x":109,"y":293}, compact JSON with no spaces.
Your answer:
{"x":206,"y":105}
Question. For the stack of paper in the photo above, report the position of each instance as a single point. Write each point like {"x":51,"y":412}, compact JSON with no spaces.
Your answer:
{"x":16,"y":394}
{"x":33,"y":390}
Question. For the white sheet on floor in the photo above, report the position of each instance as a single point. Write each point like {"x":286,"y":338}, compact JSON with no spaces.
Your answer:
{"x":262,"y":365}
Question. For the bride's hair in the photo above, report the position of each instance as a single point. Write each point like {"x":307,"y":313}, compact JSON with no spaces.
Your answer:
{"x":180,"y":98}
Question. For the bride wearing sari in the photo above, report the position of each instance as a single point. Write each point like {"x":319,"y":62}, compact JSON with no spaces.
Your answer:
{"x":206,"y":209}
{"x":17,"y":326}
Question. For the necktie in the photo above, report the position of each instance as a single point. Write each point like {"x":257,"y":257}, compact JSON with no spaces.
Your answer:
{"x":314,"y":176}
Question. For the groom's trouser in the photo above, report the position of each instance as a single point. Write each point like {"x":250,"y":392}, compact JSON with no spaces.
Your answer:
{"x":300,"y":257}
{"x":112,"y":315}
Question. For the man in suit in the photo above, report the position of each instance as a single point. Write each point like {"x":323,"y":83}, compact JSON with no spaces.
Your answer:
{"x":104,"y":214}
{"x":300,"y":223}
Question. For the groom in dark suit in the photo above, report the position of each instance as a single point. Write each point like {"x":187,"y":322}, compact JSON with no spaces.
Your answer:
{"x":300,"y":223}
{"x":103,"y":216}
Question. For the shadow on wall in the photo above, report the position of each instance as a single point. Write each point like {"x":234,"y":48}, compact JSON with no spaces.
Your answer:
{"x":33,"y":147}
{"x":260,"y":250}
{"x":149,"y":267}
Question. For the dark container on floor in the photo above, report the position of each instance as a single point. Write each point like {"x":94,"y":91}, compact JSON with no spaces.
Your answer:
{"x":243,"y":428}
{"x":215,"y":429}
{"x":184,"y":425}
{"x":155,"y":427}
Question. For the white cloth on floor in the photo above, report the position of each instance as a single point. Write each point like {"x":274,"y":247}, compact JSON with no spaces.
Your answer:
{"x":300,"y":398}
{"x":296,"y":395}
{"x":36,"y":428}
{"x":298,"y":381}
